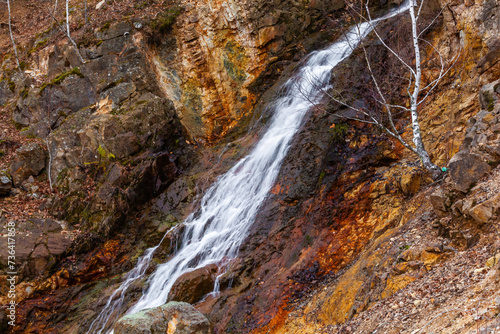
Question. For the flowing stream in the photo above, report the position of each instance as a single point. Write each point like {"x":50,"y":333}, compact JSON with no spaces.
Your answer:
{"x":215,"y":232}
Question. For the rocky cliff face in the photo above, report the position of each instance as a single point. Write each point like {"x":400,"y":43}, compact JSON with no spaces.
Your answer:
{"x":212,"y":66}
{"x":379,"y":251}
{"x":353,"y":232}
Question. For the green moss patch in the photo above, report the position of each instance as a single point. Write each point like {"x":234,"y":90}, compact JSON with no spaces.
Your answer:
{"x":24,"y":92}
{"x":105,"y":27}
{"x":60,"y":78}
{"x":165,"y":21}
{"x":339,"y":131}
{"x":38,"y":45}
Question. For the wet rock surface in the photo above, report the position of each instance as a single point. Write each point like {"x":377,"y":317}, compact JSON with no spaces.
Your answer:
{"x":193,"y":286}
{"x":173,"y":317}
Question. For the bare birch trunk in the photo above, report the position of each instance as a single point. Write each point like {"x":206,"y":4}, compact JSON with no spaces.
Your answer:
{"x":67,"y":19}
{"x":67,"y":32}
{"x":417,"y":135}
{"x":50,"y":161}
{"x":12,"y":37}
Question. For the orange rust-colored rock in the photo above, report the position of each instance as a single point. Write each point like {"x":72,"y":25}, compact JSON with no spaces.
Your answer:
{"x":396,"y":283}
{"x":221,"y":48}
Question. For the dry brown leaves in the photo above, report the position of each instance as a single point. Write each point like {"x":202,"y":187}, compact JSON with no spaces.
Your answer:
{"x":26,"y":202}
{"x":32,"y":17}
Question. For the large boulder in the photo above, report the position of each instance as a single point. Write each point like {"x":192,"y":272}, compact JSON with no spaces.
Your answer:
{"x":172,"y":318}
{"x":38,"y":244}
{"x":440,"y":202}
{"x":411,"y":180}
{"x":29,"y":160}
{"x":5,"y":183}
{"x":44,"y":109}
{"x":484,"y":211}
{"x":466,"y":169}
{"x":194,"y":285}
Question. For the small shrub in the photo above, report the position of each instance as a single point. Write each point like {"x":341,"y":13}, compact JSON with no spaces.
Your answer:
{"x":103,"y":154}
{"x":101,"y":151}
{"x":339,"y":131}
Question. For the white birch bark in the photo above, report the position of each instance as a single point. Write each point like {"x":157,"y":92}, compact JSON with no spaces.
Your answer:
{"x":417,"y":135}
{"x":67,"y":32}
{"x":67,"y":19}
{"x":414,"y":88}
{"x":49,"y":172}
{"x":12,"y":37}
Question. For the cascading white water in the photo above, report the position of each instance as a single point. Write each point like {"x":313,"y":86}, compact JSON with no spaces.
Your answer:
{"x":115,"y":301}
{"x":216,"y":231}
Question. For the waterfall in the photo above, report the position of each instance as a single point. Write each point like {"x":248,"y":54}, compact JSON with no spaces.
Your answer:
{"x":215,"y":232}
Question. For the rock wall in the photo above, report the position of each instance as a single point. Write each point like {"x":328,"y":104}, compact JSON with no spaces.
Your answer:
{"x":349,"y":223}
{"x":210,"y":67}
{"x":114,"y":136}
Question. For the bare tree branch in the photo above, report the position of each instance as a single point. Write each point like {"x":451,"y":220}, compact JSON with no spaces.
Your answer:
{"x":384,"y":43}
{"x":433,"y":84}
{"x":67,"y":32}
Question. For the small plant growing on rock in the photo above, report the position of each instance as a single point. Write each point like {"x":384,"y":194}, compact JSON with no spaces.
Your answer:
{"x":104,"y":154}
{"x":339,"y":131}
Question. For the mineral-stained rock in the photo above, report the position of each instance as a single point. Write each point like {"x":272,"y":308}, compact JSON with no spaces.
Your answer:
{"x":411,"y":181}
{"x":466,"y":169}
{"x":480,"y":213}
{"x":493,"y":261}
{"x":439,"y":202}
{"x":172,"y":318}
{"x":484,"y":211}
{"x":192,"y":286}
{"x":29,"y":160}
